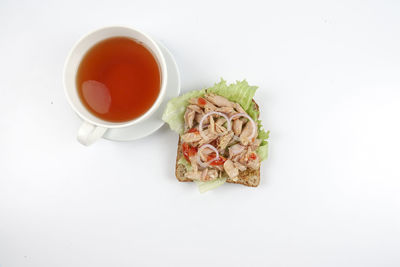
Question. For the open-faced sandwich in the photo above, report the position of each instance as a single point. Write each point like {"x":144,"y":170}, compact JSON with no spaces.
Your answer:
{"x":220,"y":136}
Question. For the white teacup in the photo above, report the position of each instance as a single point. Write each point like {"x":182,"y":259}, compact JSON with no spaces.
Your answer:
{"x":93,"y":127}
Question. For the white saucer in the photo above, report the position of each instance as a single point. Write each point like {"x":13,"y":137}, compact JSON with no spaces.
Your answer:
{"x":154,"y":122}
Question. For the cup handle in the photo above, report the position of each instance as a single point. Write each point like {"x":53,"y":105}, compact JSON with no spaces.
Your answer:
{"x":89,"y":133}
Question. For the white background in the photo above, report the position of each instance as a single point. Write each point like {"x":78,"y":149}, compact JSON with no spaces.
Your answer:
{"x":329,"y":91}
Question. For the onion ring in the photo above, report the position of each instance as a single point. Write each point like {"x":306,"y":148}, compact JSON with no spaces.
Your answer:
{"x":205,"y":164}
{"x":228,"y":121}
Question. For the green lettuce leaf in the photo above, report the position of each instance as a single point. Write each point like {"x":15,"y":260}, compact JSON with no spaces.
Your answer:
{"x":253,"y":112}
{"x":210,"y":185}
{"x":240,"y":92}
{"x":175,"y":110}
{"x":262,"y":134}
{"x":262,"y":151}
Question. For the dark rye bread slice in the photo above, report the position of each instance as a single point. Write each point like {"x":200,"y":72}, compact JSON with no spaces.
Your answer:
{"x":248,"y":177}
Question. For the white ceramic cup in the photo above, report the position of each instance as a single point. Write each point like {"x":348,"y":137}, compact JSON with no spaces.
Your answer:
{"x":93,"y":127}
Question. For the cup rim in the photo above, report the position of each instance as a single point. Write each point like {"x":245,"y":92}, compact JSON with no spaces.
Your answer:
{"x":160,"y":60}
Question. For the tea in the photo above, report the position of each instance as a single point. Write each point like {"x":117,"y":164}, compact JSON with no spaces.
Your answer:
{"x":118,"y":79}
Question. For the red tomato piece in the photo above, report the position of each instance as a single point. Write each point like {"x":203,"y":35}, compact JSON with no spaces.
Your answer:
{"x":217,"y":162}
{"x":193,"y":130}
{"x":188,"y":151}
{"x":201,"y":101}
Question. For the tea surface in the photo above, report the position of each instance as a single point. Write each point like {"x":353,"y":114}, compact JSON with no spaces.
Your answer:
{"x":118,"y":79}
